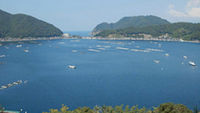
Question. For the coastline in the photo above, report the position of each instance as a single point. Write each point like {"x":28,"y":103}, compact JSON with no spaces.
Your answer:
{"x":95,"y":38}
{"x":140,"y":39}
{"x":28,"y":39}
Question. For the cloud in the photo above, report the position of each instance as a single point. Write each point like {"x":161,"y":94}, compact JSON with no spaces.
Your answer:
{"x":192,"y":10}
{"x":193,"y":3}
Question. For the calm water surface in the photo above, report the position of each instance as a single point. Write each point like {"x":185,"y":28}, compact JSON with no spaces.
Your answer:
{"x":108,"y":73}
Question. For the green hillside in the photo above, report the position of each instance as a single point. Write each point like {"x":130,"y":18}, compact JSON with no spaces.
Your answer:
{"x":187,"y":31}
{"x":21,"y":25}
{"x":135,"y":21}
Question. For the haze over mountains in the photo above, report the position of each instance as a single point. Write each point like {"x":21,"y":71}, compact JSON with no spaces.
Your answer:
{"x":21,"y":25}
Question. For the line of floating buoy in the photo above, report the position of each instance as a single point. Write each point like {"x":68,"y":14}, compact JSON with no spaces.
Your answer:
{"x":122,"y":48}
{"x":13,"y":84}
{"x":93,"y":50}
{"x":1,"y":56}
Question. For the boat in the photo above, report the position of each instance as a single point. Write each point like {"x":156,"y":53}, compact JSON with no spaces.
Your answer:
{"x":185,"y":57}
{"x":26,"y":50}
{"x":192,"y":63}
{"x":18,"y":45}
{"x":166,"y":54}
{"x":93,"y":50}
{"x":72,"y":67}
{"x":156,"y":61}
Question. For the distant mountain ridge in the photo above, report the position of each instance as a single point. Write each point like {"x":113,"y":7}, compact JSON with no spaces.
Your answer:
{"x":21,"y":25}
{"x":148,"y":27}
{"x":135,"y":21}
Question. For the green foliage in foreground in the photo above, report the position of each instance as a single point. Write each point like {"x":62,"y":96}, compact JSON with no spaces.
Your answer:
{"x":163,"y":108}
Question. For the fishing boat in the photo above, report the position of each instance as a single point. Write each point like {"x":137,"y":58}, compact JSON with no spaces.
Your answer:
{"x":166,"y":54}
{"x":192,"y":63}
{"x":26,"y":50}
{"x":157,"y":61}
{"x":72,"y":67}
{"x":185,"y":57}
{"x":18,"y":45}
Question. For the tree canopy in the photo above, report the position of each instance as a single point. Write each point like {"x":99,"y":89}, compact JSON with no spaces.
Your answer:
{"x":21,"y":25}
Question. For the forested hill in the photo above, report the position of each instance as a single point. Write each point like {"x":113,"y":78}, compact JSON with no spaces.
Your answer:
{"x":180,"y":30}
{"x":21,"y":25}
{"x":186,"y":31}
{"x":135,"y":21}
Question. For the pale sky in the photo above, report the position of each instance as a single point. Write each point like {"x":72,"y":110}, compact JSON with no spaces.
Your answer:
{"x":84,"y":15}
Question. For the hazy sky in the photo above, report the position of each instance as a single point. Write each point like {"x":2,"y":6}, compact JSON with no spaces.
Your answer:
{"x":84,"y":15}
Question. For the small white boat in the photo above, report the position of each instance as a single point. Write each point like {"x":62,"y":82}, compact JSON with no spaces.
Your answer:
{"x":19,"y":46}
{"x":93,"y":50}
{"x":26,"y":50}
{"x":72,"y":67}
{"x":185,"y":57}
{"x":166,"y":54}
{"x":156,"y":61}
{"x":192,"y":63}
{"x":101,"y":48}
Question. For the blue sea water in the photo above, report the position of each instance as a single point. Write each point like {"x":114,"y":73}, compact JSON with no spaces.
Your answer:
{"x":107,"y":73}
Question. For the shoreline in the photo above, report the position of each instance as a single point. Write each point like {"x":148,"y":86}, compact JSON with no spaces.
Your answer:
{"x":28,"y":39}
{"x":95,"y":38}
{"x":140,"y":39}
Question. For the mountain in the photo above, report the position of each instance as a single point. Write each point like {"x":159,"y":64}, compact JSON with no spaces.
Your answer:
{"x":180,"y":30}
{"x":21,"y":25}
{"x":148,"y":27}
{"x":135,"y":21}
